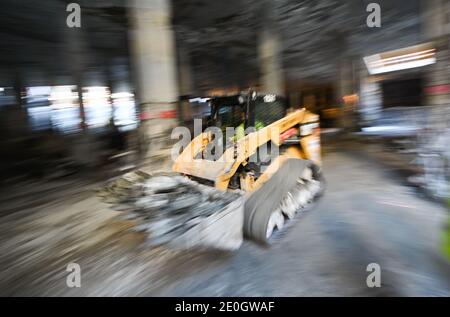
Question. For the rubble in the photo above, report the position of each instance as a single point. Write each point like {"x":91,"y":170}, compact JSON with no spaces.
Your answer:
{"x":176,"y":211}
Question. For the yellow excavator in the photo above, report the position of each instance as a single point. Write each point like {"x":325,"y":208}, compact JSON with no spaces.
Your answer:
{"x":275,"y":165}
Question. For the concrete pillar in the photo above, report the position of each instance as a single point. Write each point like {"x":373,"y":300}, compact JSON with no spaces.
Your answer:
{"x":21,"y":124}
{"x":18,"y":89}
{"x":185,"y":80}
{"x":345,"y":81}
{"x":345,"y":92}
{"x":77,"y":54}
{"x":295,"y":100}
{"x":79,"y":82}
{"x":111,"y":85}
{"x":153,"y":47}
{"x":436,"y":28}
{"x":435,"y":21}
{"x":269,"y":52}
{"x":271,"y":68}
{"x":370,"y":98}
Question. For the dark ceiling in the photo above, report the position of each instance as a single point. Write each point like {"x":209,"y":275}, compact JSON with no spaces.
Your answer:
{"x":314,"y":33}
{"x":37,"y":44}
{"x":222,"y":36}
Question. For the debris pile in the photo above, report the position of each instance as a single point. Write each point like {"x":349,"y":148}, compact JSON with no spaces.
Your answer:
{"x":176,"y":211}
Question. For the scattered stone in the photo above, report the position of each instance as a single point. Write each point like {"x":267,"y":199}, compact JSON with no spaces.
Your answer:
{"x":176,"y":211}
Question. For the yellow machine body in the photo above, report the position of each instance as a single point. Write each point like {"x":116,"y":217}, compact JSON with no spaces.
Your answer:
{"x":222,"y":170}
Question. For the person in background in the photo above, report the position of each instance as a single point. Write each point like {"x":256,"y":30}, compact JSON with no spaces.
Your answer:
{"x":446,"y":237}
{"x":240,"y":130}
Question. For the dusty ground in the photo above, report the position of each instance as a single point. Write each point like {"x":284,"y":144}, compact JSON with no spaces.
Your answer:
{"x":366,"y":216}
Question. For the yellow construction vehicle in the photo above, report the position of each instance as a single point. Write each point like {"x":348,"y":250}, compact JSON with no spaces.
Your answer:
{"x":277,"y":184}
{"x":255,"y":166}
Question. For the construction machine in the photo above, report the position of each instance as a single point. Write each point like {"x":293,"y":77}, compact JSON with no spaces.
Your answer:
{"x":273,"y":165}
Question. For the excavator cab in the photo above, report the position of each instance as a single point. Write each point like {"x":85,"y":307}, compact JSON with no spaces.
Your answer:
{"x":252,"y":110}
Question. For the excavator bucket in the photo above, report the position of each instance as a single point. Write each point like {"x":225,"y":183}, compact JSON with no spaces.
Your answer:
{"x":172,"y":210}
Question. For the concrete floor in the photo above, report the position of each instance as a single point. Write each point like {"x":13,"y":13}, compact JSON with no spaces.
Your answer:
{"x":366,"y":216}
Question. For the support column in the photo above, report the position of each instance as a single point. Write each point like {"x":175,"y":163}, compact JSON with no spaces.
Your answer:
{"x":370,"y":97}
{"x":271,"y":69}
{"x":21,"y":124}
{"x":437,"y":92}
{"x":345,"y":82}
{"x":155,"y":69}
{"x":184,"y":71}
{"x":295,"y":100}
{"x":79,"y":82}
{"x":435,"y":155}
{"x":18,"y":89}
{"x":345,"y":92}
{"x":77,"y":59}
{"x":185,"y":82}
{"x":269,"y":51}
